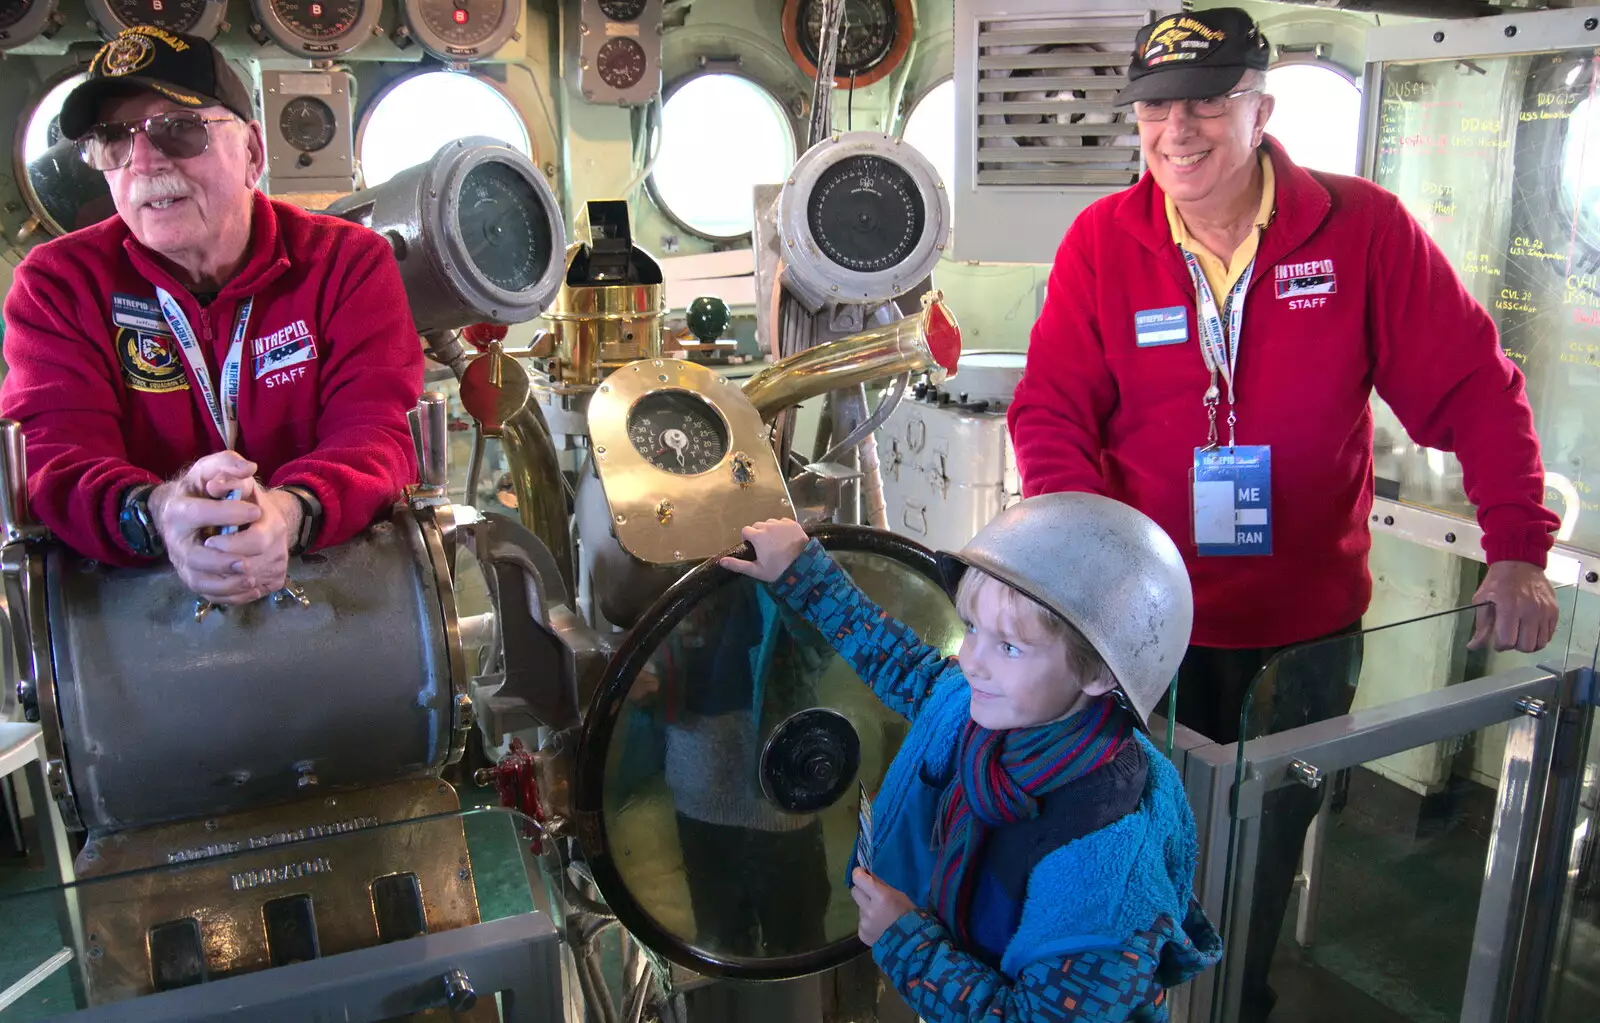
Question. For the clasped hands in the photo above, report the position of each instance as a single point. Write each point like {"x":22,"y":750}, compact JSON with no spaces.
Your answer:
{"x":235,"y":568}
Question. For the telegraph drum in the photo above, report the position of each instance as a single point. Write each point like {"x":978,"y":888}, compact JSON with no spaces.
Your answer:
{"x":477,"y":232}
{"x":165,"y":713}
{"x":715,"y":783}
{"x":863,"y":219}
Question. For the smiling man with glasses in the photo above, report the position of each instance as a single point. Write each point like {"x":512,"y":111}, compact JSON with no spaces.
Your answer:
{"x":206,"y":342}
{"x":1207,"y":351}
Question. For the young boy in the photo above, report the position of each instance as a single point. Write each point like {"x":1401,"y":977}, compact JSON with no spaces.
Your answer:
{"x":1035,"y":852}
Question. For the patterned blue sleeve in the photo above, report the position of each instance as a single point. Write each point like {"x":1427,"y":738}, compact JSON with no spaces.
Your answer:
{"x":887,"y":654}
{"x":1111,"y":985}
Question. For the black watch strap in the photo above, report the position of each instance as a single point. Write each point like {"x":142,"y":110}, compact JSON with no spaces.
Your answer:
{"x":310,"y":519}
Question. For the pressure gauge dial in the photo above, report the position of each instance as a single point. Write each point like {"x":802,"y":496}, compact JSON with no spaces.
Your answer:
{"x":308,"y":124}
{"x":456,"y":30}
{"x":873,"y":40}
{"x":200,"y":18}
{"x":622,"y":10}
{"x":317,"y":28}
{"x":678,"y":431}
{"x":22,"y":21}
{"x":621,"y":62}
{"x":504,"y":226}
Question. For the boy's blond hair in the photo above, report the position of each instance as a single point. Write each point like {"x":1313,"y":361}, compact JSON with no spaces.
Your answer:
{"x":1031,"y":621}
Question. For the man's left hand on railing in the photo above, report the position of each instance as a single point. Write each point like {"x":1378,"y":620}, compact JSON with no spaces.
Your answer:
{"x":1521,"y":611}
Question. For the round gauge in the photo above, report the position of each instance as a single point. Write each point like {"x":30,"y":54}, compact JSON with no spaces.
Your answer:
{"x":622,"y":10}
{"x":678,"y":431}
{"x":621,"y":62}
{"x":12,"y":11}
{"x":504,"y":225}
{"x":873,"y":39}
{"x":317,"y":20}
{"x":307,"y":123}
{"x":462,"y":24}
{"x":866,"y":213}
{"x":172,"y":15}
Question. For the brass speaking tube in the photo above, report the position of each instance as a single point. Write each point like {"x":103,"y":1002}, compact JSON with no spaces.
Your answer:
{"x":929,"y":340}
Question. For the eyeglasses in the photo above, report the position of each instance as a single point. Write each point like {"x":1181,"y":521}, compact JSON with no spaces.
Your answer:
{"x":1159,"y":109}
{"x":179,"y":134}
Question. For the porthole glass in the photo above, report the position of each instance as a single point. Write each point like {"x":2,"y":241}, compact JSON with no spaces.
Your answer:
{"x":416,"y":116}
{"x":931,"y":127}
{"x":721,"y":135}
{"x":44,"y":127}
{"x":1317,"y":117}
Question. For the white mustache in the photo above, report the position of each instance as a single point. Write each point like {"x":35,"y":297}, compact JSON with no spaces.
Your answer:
{"x":154,"y":189}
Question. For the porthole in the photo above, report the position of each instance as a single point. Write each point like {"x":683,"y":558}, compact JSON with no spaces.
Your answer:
{"x":721,"y":135}
{"x":931,"y":127}
{"x":1318,"y":115}
{"x":416,"y":116}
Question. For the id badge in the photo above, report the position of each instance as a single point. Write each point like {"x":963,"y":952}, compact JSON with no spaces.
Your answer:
{"x":1232,"y":499}
{"x":864,"y":837}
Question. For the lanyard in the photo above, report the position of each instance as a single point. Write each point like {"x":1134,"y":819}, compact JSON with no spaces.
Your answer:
{"x":1219,"y":346}
{"x":224,"y":413}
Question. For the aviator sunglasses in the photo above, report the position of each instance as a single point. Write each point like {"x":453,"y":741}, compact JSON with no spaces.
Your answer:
{"x":179,"y":134}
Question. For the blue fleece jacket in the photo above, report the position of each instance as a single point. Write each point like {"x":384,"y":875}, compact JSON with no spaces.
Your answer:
{"x":1109,"y":921}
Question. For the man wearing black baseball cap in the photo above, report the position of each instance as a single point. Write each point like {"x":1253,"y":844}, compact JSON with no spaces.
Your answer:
{"x":1207,"y":351}
{"x":163,"y":358}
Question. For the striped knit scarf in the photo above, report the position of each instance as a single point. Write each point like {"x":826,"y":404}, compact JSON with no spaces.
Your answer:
{"x":1000,"y":777}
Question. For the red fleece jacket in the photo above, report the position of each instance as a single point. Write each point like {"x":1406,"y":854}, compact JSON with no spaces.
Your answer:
{"x":331,"y":366}
{"x":1095,"y":412}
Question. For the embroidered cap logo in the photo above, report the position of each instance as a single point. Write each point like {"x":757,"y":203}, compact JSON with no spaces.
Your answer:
{"x":126,"y":54}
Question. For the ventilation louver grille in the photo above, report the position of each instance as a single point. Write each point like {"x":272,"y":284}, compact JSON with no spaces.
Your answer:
{"x":1045,"y":89}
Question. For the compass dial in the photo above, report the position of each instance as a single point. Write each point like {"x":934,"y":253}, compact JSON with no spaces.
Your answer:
{"x":866,"y":213}
{"x":505,"y":227}
{"x":865,"y":38}
{"x":678,"y":431}
{"x":308,"y":124}
{"x":622,"y":10}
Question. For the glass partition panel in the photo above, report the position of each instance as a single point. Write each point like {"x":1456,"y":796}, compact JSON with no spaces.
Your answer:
{"x":1499,"y":159}
{"x":731,"y":778}
{"x":247,"y":903}
{"x":1381,"y":926}
{"x":1575,"y":977}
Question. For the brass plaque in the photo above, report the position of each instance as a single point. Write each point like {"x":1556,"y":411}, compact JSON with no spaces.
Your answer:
{"x":223,"y":873}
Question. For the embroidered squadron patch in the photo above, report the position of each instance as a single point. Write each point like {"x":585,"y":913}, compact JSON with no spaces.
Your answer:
{"x":150,"y":361}
{"x":1180,"y":38}
{"x":127,"y":53}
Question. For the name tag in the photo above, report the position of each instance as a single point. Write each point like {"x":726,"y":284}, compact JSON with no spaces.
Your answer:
{"x":137,"y":313}
{"x":1232,"y":497}
{"x":1155,"y":327}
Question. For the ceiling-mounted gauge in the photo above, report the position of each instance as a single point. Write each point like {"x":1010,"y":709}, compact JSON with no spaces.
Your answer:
{"x":201,"y":18}
{"x":678,"y":432}
{"x":458,"y":30}
{"x":477,"y":231}
{"x":873,"y":40}
{"x":862,"y":219}
{"x":317,"y":29}
{"x":22,"y":21}
{"x":621,"y":62}
{"x":622,"y":10}
{"x":307,"y":124}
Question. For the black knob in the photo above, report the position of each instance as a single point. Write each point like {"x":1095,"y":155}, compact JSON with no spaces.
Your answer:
{"x":458,"y":993}
{"x":1438,"y":37}
{"x":1449,"y":538}
{"x":920,"y":391}
{"x":1593,"y":577}
{"x":1388,"y":520}
{"x":1591,"y":24}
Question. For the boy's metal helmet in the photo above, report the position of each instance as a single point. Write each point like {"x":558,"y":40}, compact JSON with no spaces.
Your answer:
{"x":1106,"y":568}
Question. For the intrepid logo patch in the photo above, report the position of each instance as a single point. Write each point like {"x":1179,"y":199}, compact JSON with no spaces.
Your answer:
{"x":1297,"y":280}
{"x":281,"y":349}
{"x":150,"y":361}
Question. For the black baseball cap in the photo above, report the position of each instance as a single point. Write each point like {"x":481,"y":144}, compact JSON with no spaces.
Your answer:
{"x":1194,"y":55}
{"x":144,"y":58}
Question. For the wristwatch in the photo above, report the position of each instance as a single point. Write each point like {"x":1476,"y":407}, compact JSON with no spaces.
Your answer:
{"x":138,"y":528}
{"x":310,"y":519}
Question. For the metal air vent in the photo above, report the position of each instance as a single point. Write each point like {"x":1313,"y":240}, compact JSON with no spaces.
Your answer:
{"x":1037,"y":134}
